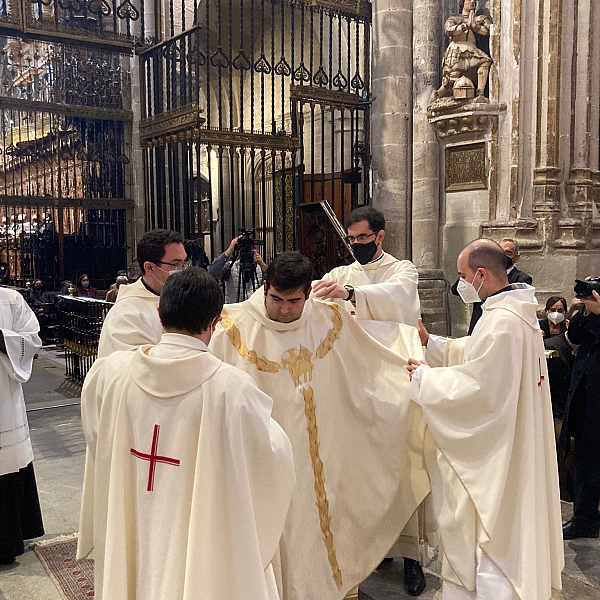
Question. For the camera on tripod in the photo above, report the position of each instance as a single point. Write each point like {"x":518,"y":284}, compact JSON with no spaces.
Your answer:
{"x":245,"y":251}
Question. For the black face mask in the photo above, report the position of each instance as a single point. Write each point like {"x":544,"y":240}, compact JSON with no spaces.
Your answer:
{"x":364,"y":253}
{"x":38,"y":288}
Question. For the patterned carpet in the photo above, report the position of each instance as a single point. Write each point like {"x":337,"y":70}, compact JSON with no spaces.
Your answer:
{"x":74,"y":579}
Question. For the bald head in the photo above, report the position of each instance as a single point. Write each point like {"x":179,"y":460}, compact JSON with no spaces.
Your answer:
{"x":485,"y":261}
{"x":486,"y":254}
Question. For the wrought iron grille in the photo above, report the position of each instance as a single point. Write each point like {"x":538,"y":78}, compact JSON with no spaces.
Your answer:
{"x":254,"y":109}
{"x":117,"y":23}
{"x":63,"y":162}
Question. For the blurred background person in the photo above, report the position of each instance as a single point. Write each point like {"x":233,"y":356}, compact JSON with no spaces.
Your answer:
{"x":65,"y":287}
{"x":84,"y":288}
{"x":582,"y":414}
{"x":121,"y":273}
{"x":112,"y":294}
{"x":226,"y":268}
{"x":42,"y":304}
{"x":511,"y":249}
{"x":554,"y":323}
{"x":39,"y":296}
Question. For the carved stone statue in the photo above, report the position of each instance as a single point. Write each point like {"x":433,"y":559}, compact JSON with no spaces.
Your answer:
{"x":463,"y":57}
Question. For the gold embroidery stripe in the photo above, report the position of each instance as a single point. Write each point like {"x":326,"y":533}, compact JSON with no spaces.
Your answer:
{"x":317,"y":465}
{"x":333,"y":334}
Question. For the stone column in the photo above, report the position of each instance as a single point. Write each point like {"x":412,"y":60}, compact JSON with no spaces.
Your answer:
{"x":425,"y":168}
{"x":392,"y":120}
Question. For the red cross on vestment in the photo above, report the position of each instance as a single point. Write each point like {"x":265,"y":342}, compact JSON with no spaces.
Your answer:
{"x":154,"y":458}
{"x":541,"y":376}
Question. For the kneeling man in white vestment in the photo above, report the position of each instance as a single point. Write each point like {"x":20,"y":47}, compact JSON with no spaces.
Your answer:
{"x":188,"y":479}
{"x":342,"y":398}
{"x":490,"y":446}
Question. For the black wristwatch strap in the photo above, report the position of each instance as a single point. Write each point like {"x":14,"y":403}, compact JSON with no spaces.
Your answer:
{"x":350,"y":292}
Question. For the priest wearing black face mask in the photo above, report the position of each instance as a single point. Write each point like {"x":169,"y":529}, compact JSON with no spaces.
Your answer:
{"x":376,"y":286}
{"x":379,"y":287}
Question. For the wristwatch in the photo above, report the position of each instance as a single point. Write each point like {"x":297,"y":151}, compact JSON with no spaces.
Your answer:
{"x":350,"y":290}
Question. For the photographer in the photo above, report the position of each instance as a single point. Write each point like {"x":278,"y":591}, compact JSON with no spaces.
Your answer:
{"x":582,"y":413}
{"x":226,"y":268}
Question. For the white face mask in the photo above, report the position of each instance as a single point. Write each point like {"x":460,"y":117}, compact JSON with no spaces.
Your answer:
{"x":556,"y":317}
{"x":467,"y":291}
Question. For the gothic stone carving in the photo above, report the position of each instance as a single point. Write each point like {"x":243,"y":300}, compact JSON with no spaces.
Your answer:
{"x":463,"y":57}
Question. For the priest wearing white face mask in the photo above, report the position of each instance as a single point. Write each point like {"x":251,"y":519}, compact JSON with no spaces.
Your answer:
{"x":490,"y":444}
{"x":133,"y":320}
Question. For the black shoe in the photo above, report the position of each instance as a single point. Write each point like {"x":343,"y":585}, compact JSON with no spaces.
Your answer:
{"x":573,"y":531}
{"x":7,"y":561}
{"x":414,"y":578}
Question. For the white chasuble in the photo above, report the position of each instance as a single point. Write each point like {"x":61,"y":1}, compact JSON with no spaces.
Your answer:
{"x":132,"y":322}
{"x":491,"y":450}
{"x":342,"y":399}
{"x":20,"y":329}
{"x":188,"y":478}
{"x":385,"y":289}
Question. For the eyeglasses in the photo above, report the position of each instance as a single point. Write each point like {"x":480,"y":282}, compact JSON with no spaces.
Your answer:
{"x":359,"y":239}
{"x":178,"y":264}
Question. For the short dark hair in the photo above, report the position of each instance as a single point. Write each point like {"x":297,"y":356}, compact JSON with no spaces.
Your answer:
{"x":289,"y":271}
{"x":151,"y":248}
{"x":487,"y":254}
{"x":553,"y":300}
{"x":373,"y":216}
{"x":82,"y":277}
{"x":190,"y":300}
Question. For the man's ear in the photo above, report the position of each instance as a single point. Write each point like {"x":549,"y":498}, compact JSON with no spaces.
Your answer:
{"x":148,"y":267}
{"x":380,"y":236}
{"x":265,"y":287}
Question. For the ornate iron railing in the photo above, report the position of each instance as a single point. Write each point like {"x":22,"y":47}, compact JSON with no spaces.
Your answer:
{"x":255,"y":108}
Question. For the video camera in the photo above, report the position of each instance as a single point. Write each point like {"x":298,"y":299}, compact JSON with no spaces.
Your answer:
{"x":245,"y":250}
{"x":584,"y":289}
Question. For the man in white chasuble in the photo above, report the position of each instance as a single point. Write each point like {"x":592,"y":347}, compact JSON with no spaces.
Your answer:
{"x":377,"y":287}
{"x":188,"y":479}
{"x":342,"y":399}
{"x":490,"y":443}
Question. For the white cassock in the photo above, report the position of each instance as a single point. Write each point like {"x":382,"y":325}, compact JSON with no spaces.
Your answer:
{"x":20,"y":330}
{"x":385,"y":289}
{"x":491,"y":455}
{"x":204,"y":517}
{"x":342,"y":398}
{"x":132,"y":322}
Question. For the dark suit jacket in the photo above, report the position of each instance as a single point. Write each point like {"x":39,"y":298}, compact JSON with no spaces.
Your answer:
{"x":516,"y":276}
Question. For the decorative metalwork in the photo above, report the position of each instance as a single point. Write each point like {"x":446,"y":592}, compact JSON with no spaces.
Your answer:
{"x":263,"y":104}
{"x":86,"y":21}
{"x":465,"y":167}
{"x":63,"y":159}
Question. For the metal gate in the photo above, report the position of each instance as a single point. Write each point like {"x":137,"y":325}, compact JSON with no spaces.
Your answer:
{"x":65,"y":119}
{"x":253,"y":108}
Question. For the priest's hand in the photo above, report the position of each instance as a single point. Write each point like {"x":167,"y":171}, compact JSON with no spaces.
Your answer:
{"x":423,"y":333}
{"x":413,"y":365}
{"x":322,"y":290}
